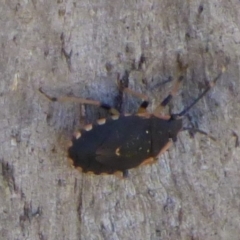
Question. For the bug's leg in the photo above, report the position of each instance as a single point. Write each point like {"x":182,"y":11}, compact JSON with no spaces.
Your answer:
{"x":167,"y":100}
{"x":125,"y":173}
{"x":81,"y":101}
{"x":122,"y":174}
{"x":144,"y":98}
{"x":123,"y":87}
{"x":196,"y":130}
{"x":111,"y":110}
{"x":237,"y":139}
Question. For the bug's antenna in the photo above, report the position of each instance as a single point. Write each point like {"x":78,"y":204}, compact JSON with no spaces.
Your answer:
{"x":212,"y":84}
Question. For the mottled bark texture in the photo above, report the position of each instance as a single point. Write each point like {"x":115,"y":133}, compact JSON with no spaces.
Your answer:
{"x":77,"y":48}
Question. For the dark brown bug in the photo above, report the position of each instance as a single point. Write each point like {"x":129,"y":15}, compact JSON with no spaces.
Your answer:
{"x":122,"y":142}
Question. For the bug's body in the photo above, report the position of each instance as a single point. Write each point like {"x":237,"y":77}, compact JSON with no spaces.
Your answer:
{"x":122,"y":143}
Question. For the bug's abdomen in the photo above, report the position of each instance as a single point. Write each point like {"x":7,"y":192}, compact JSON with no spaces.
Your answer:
{"x":116,"y":145}
{"x":122,"y":143}
{"x":83,"y":149}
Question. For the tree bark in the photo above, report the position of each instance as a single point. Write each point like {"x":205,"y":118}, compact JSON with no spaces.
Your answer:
{"x":78,"y":48}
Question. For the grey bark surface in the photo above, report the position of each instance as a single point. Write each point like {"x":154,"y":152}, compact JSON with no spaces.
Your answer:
{"x":78,"y":48}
